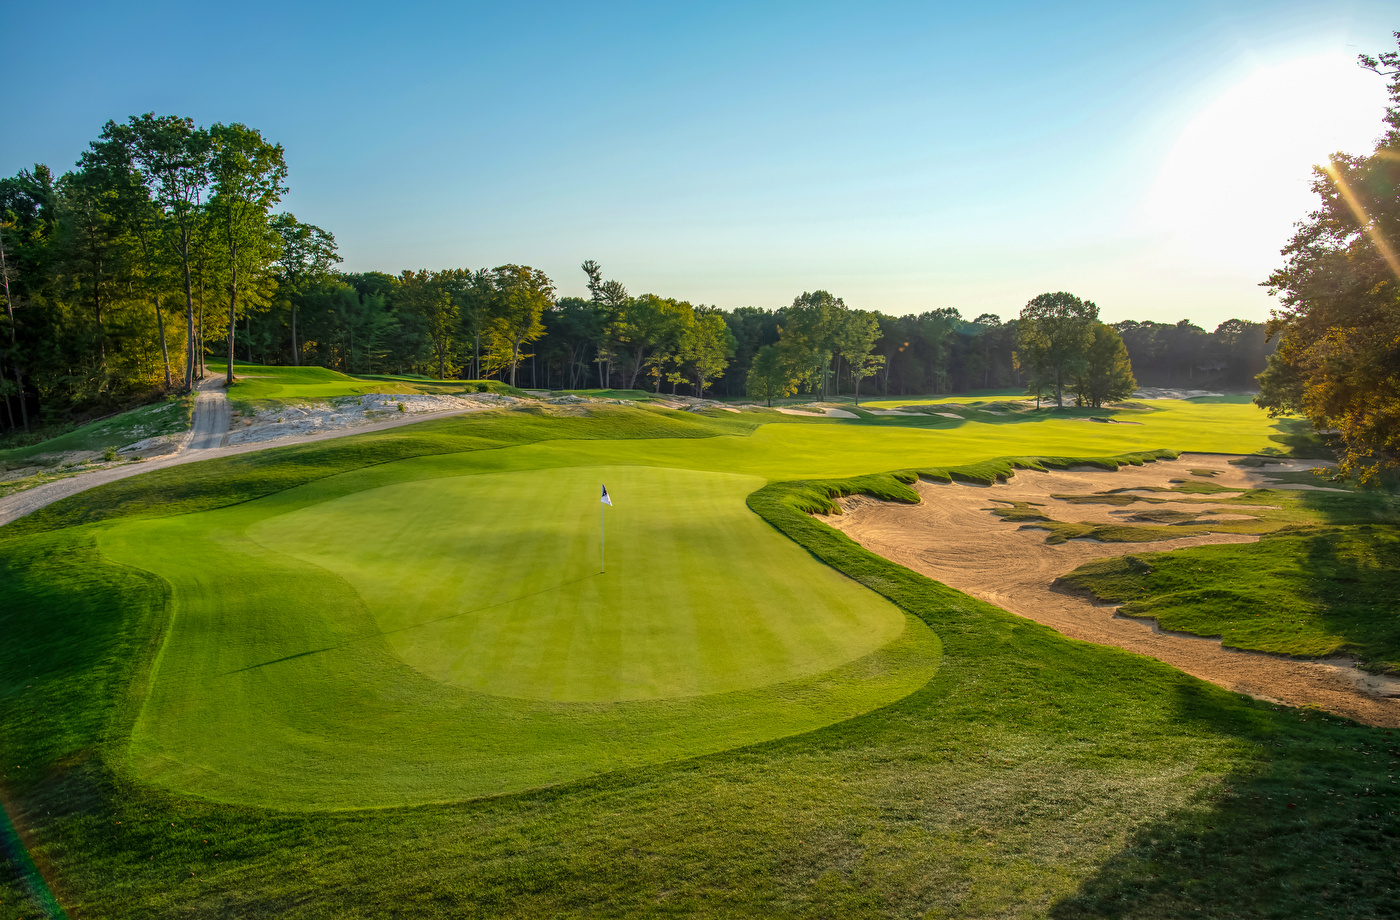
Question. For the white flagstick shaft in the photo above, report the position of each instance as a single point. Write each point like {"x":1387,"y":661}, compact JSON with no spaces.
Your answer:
{"x":603,"y":542}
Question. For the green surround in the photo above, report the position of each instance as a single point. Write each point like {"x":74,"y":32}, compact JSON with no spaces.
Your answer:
{"x":319,"y":657}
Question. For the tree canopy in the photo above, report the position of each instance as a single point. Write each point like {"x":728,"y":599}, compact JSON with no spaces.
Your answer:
{"x":1338,"y":327}
{"x":1056,"y":331}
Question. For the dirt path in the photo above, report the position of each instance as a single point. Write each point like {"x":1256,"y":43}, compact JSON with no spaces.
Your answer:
{"x":209,"y":427}
{"x":208,"y":439}
{"x":951,"y":536}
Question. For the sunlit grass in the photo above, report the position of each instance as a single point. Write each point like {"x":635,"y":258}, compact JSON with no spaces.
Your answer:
{"x":1032,"y":776}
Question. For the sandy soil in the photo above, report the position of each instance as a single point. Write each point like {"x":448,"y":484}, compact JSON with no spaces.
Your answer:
{"x":298,"y":419}
{"x":206,"y":440}
{"x":1170,"y":393}
{"x":818,"y":411}
{"x":952,"y":537}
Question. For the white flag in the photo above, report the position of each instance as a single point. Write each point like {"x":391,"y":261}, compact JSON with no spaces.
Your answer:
{"x":605,"y":499}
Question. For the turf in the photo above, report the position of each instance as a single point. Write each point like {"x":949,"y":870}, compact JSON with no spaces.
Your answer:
{"x":1031,"y":776}
{"x":493,"y":582}
{"x":611,"y":394}
{"x":973,"y":398}
{"x":165,"y":417}
{"x":440,"y":639}
{"x":1316,"y":594}
{"x":255,"y":383}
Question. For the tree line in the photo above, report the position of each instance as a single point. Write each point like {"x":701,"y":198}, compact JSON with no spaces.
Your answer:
{"x":164,"y":245}
{"x":1338,"y":329}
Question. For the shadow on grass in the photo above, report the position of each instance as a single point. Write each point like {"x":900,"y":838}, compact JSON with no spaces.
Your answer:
{"x":411,"y":626}
{"x":1309,"y":831}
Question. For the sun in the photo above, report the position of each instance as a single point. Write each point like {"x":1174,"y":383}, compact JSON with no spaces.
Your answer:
{"x":1239,"y":174}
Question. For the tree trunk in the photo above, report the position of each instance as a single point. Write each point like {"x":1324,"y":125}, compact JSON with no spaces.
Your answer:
{"x":101,"y":335}
{"x":164,"y":350}
{"x":14,"y":341}
{"x":296,"y":354}
{"x":232,"y":320}
{"x":189,"y":316}
{"x":199,"y":329}
{"x":9,"y":406}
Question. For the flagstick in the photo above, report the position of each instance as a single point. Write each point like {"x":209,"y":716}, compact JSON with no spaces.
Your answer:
{"x":603,"y":542}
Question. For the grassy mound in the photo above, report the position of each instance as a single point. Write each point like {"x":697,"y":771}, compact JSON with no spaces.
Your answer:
{"x":256,"y":382}
{"x":1328,"y":592}
{"x":165,"y":417}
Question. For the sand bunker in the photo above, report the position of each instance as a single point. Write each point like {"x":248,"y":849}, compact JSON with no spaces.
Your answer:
{"x":818,"y":410}
{"x":953,"y":537}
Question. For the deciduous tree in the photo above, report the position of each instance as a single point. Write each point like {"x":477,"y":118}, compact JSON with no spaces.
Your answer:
{"x":1338,"y":360}
{"x":1055,"y":333}
{"x":1106,"y":374}
{"x":248,"y":172}
{"x":523,"y":294}
{"x":770,"y":376}
{"x":307,"y":256}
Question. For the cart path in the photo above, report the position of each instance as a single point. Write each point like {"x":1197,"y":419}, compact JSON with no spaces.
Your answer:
{"x":207,"y":439}
{"x":952,"y":537}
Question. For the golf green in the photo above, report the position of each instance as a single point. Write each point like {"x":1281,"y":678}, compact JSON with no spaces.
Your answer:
{"x":369,"y":642}
{"x":494,"y":583}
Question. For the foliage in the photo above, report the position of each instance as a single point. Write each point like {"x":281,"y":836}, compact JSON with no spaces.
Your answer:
{"x":1054,"y":336}
{"x":522,"y":295}
{"x":247,"y":173}
{"x":770,"y":376}
{"x":1106,"y":375}
{"x":308,"y":254}
{"x":1338,"y":358}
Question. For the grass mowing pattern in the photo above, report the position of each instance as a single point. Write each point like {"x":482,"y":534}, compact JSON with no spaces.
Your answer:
{"x":492,"y":582}
{"x":1032,"y":777}
{"x":1327,"y":592}
{"x":283,"y":684}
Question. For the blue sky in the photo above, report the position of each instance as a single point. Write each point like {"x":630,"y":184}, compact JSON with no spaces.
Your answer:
{"x":903,"y":156}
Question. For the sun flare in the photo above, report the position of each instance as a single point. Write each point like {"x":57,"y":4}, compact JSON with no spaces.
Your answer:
{"x":1239,"y":174}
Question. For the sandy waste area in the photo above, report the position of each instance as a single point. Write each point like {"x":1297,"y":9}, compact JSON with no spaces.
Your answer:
{"x":298,"y":419}
{"x":953,"y":537}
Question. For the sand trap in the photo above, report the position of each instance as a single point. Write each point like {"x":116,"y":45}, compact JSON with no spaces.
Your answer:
{"x":951,"y":536}
{"x":1171,"y":393}
{"x":818,"y":412}
{"x":889,"y":412}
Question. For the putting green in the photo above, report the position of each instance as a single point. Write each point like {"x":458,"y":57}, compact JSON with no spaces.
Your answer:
{"x":367,"y":642}
{"x":493,"y":583}
{"x":429,"y":629}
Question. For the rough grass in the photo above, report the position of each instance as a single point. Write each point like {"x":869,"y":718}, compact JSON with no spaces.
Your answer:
{"x":1033,"y":776}
{"x":1267,"y":510}
{"x":165,"y":417}
{"x":1315,"y":594}
{"x":257,"y":383}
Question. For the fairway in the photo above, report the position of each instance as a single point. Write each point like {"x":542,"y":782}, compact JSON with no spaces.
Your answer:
{"x":492,"y":583}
